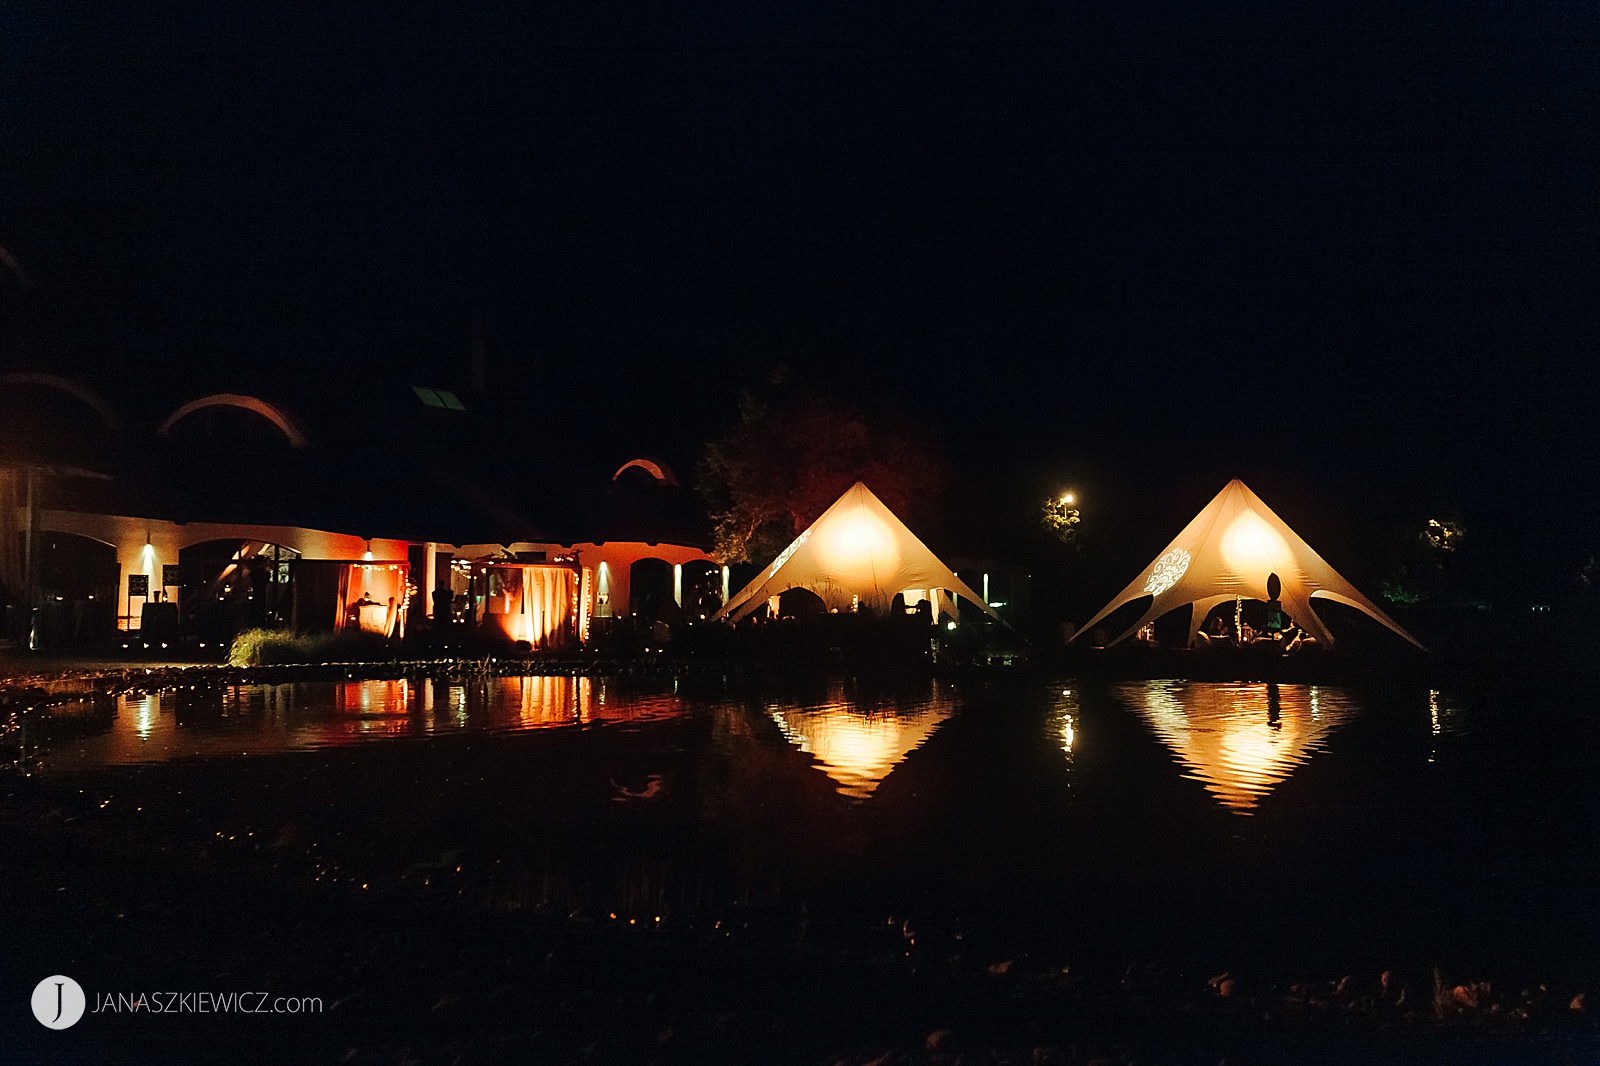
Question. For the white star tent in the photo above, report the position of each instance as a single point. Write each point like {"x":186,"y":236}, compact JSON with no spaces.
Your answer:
{"x":856,"y":552}
{"x":1228,"y":551}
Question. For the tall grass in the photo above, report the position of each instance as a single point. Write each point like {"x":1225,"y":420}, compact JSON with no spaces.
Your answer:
{"x":274,"y":647}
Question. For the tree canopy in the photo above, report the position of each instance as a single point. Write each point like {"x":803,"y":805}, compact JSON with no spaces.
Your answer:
{"x":792,"y":453}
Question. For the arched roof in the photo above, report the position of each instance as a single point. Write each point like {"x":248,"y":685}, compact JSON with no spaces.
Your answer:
{"x":654,"y":467}
{"x":9,"y":261}
{"x":77,"y":390}
{"x":285,"y":422}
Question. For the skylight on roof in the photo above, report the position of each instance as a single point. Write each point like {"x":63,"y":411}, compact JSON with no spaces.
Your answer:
{"x":442,"y":399}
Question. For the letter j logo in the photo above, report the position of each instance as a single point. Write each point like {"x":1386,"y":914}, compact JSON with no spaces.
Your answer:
{"x":58,"y":1002}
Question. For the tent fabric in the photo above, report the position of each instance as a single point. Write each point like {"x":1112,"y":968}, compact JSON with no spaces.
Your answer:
{"x":856,"y":551}
{"x":1227,"y":552}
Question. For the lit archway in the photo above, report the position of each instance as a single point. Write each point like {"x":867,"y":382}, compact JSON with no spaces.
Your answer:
{"x":651,"y":593}
{"x":232,"y":584}
{"x":701,"y":588}
{"x":78,"y":582}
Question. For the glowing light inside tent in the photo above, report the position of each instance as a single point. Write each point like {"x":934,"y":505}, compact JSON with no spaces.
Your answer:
{"x":1167,"y":572}
{"x":1251,"y":546}
{"x":860,"y":547}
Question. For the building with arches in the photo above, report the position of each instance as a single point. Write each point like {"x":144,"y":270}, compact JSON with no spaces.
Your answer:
{"x":377,"y":511}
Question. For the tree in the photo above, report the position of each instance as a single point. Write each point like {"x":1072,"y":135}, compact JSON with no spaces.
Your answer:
{"x":1059,"y":514}
{"x":792,"y":453}
{"x":1430,"y":567}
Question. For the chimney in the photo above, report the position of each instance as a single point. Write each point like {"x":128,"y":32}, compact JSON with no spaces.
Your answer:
{"x":475,"y":377}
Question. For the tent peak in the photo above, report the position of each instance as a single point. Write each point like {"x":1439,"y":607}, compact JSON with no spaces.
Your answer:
{"x":857,"y":552}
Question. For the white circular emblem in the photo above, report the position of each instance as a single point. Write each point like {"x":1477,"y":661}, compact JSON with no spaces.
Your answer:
{"x":58,"y":1002}
{"x":1167,"y":571}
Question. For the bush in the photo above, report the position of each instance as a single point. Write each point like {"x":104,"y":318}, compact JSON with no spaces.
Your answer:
{"x":260,"y":647}
{"x":276,"y":647}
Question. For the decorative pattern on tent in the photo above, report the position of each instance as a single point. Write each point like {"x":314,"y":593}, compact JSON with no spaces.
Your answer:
{"x":1228,"y":551}
{"x":856,"y":552}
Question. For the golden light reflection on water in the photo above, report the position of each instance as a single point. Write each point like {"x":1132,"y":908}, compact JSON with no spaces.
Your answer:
{"x":262,"y":719}
{"x":1064,"y":722}
{"x":859,"y":744}
{"x":1240,"y":740}
{"x":146,"y":715}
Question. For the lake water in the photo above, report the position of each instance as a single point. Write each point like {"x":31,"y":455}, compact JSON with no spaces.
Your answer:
{"x":1298,"y":827}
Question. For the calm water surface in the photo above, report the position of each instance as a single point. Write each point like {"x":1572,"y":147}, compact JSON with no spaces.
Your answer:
{"x":1317,"y":823}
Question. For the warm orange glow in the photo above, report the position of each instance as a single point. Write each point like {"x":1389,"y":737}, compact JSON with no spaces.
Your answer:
{"x":1240,"y":740}
{"x":1067,"y":721}
{"x":533,"y":603}
{"x":860,"y":548}
{"x":375,"y":599}
{"x":585,"y":599}
{"x":857,"y":749}
{"x":1252,"y":548}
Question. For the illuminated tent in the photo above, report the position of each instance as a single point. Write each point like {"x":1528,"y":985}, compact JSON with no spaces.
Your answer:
{"x":1228,"y":551}
{"x":856,"y":552}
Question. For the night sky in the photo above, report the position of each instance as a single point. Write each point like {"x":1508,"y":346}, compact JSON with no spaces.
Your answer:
{"x":1343,"y":255}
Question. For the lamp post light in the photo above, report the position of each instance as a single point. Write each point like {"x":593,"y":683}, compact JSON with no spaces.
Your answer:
{"x":1061,"y":516}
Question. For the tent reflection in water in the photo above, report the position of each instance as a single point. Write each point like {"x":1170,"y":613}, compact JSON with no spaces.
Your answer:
{"x":859,"y":747}
{"x":1240,"y":741}
{"x":857,"y":554}
{"x":1232,"y":550}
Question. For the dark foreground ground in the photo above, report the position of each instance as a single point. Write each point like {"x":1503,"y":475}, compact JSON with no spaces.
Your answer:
{"x":437,"y":965}
{"x":452,"y":902}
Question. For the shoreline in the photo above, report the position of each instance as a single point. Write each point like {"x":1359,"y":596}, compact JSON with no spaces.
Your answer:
{"x":35,"y":679}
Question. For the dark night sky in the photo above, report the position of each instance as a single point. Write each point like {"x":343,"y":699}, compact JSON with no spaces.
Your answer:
{"x":1352,"y":251}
